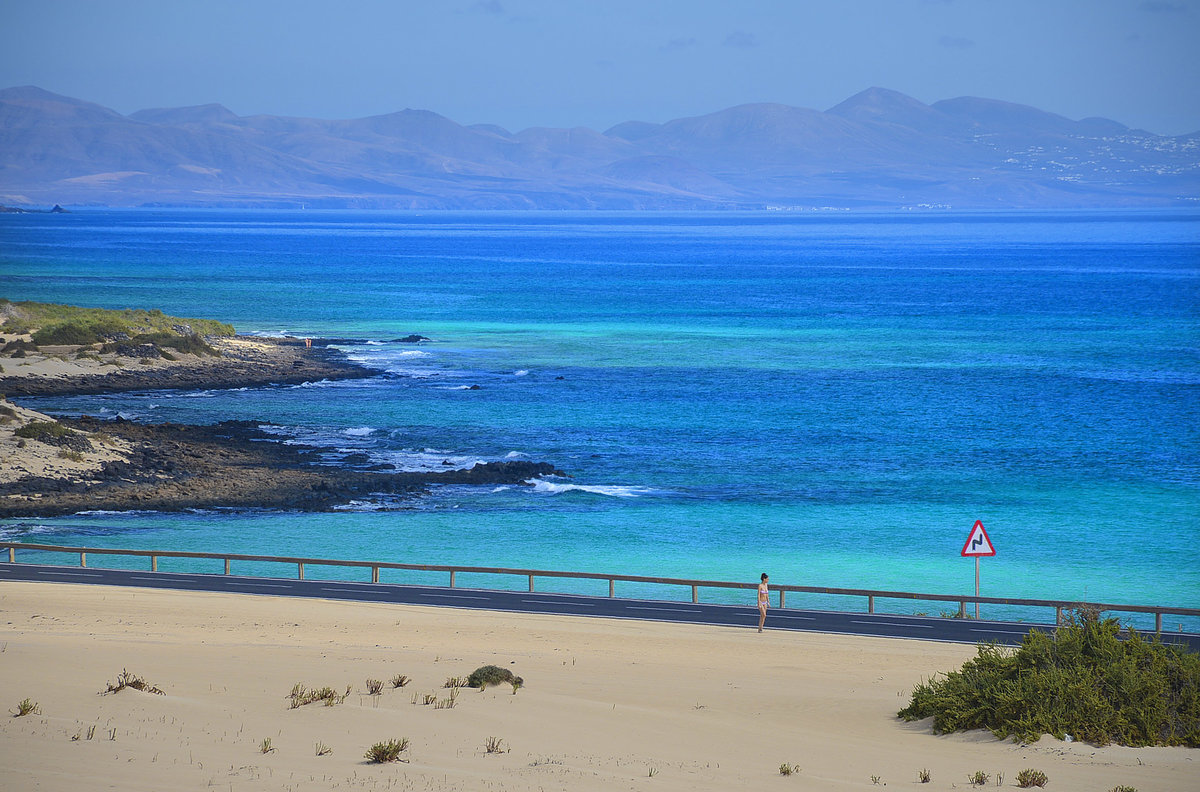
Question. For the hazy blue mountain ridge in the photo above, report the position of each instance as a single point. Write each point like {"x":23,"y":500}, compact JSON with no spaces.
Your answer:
{"x":879,"y":149}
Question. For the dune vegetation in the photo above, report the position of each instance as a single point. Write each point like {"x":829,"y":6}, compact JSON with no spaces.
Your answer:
{"x":1084,"y":682}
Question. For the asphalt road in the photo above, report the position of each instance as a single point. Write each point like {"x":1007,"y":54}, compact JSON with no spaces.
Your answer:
{"x":877,"y":625}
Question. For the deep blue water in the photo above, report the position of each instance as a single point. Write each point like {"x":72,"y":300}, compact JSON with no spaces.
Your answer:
{"x":834,"y":399}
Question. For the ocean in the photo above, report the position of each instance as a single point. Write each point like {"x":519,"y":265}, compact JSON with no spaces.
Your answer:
{"x":832,"y":398}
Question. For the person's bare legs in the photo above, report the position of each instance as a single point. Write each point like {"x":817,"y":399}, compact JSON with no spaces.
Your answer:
{"x":762,"y":617}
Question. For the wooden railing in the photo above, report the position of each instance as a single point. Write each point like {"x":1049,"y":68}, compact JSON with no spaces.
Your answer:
{"x":1059,"y":606}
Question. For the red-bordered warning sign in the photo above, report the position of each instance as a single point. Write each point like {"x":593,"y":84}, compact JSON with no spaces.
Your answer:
{"x":978,"y":543}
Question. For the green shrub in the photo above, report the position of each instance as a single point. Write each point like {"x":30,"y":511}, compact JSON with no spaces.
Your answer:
{"x":49,"y":318}
{"x":16,"y":326}
{"x":18,"y":349}
{"x":41,"y":430}
{"x":78,"y":332}
{"x":1082,"y":681}
{"x":488,"y":675}
{"x":189,"y":344}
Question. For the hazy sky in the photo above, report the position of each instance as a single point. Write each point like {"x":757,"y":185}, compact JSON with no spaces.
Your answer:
{"x":522,"y":63}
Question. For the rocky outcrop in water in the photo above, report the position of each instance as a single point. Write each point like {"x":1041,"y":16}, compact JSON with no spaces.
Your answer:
{"x":234,"y":464}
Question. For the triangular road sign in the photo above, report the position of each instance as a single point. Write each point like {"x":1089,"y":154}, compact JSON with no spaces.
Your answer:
{"x":978,"y":543}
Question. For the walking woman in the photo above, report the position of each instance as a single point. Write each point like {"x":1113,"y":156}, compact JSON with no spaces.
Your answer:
{"x":764,"y":599}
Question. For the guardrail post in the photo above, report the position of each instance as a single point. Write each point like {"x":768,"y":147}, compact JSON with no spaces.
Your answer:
{"x":870,"y":603}
{"x":374,"y":574}
{"x":531,"y":584}
{"x":83,"y":559}
{"x":226,"y":566}
{"x":1158,"y":622}
{"x":451,"y":578}
{"x":695,"y":595}
{"x":611,"y":588}
{"x":781,"y":593}
{"x":153,"y":563}
{"x":1058,"y":615}
{"x":962,"y":609}
{"x":300,"y":570}
{"x":12,"y":555}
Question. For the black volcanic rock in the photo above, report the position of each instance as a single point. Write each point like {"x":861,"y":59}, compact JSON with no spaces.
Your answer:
{"x":233,"y":464}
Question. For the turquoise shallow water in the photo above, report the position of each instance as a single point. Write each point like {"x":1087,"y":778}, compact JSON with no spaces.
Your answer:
{"x":832,"y":399}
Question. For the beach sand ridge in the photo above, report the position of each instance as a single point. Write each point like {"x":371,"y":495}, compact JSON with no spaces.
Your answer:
{"x":607,"y":704}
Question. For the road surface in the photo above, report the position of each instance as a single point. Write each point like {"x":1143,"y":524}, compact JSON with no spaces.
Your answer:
{"x":877,"y":625}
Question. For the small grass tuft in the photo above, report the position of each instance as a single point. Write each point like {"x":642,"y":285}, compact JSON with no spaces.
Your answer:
{"x":301,"y":695}
{"x":787,"y":769}
{"x":924,"y":776}
{"x":26,"y":707}
{"x":1031,"y":778}
{"x":494,"y":745}
{"x":449,"y":701}
{"x":1123,"y":788}
{"x":978,"y":778}
{"x":374,"y":687}
{"x":389,"y":751}
{"x":321,"y":749}
{"x":265,"y":746}
{"x":128,"y":680}
{"x":400,"y":680}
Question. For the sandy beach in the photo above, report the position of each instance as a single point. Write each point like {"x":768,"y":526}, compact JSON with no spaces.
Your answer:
{"x":606,"y":704}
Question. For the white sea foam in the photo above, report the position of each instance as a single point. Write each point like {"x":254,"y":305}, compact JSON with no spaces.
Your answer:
{"x":521,"y":373}
{"x":359,"y":431}
{"x":555,"y":488}
{"x":21,"y":530}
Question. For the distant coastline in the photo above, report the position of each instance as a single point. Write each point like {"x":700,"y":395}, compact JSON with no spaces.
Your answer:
{"x":23,"y":210}
{"x":878,"y":150}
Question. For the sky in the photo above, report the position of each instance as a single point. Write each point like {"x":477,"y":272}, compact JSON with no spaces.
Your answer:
{"x":596,"y":63}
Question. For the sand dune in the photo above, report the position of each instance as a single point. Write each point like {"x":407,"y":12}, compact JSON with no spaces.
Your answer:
{"x":606,"y":705}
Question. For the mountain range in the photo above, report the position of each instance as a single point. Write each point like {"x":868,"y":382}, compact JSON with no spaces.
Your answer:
{"x":877,"y":150}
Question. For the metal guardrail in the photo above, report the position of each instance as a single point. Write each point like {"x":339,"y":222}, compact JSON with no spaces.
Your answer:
{"x":695,"y":585}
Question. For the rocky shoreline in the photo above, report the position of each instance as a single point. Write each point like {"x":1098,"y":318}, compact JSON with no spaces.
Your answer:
{"x":233,"y":464}
{"x":243,"y":362}
{"x":56,"y":466}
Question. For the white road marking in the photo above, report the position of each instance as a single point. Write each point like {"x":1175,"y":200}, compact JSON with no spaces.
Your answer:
{"x":893,"y":624}
{"x":558,"y":602}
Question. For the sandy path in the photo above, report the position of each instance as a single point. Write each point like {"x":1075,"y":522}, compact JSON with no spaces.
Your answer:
{"x":607,"y":704}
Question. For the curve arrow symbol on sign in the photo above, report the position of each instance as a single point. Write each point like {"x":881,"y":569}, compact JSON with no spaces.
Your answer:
{"x":978,"y":543}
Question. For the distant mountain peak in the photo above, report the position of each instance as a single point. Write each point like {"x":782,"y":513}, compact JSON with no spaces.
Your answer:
{"x":881,"y":104}
{"x":879,"y":149}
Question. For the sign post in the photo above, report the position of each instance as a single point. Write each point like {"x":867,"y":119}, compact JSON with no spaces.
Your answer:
{"x":978,"y":545}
